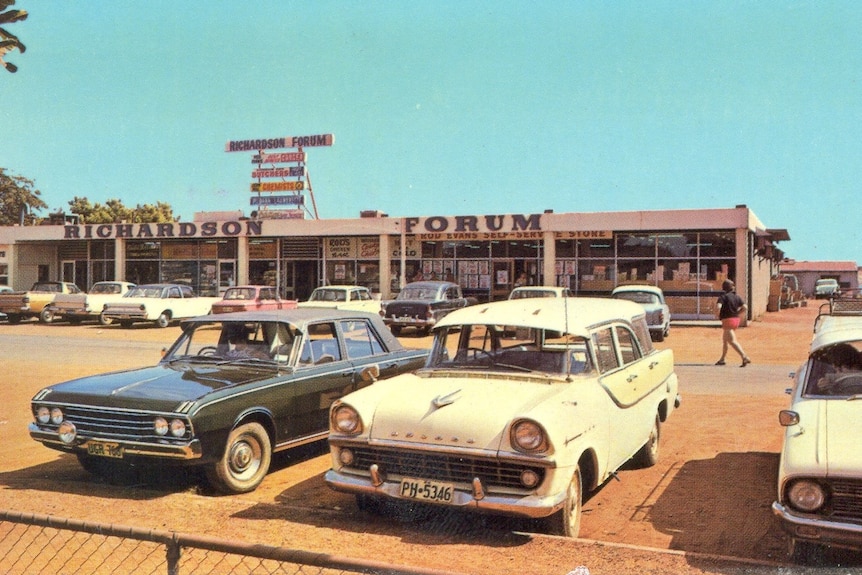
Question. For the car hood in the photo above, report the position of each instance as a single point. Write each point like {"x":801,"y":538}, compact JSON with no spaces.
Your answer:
{"x":826,"y":439}
{"x":454,"y":412}
{"x":161,"y":388}
{"x":843,"y":428}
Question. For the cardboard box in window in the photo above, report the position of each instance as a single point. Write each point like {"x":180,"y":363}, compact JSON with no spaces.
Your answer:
{"x":597,"y":285}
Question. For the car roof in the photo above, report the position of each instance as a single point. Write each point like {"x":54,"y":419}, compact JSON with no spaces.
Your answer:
{"x":573,"y":315}
{"x":298,"y":316}
{"x":839,"y":320}
{"x":637,"y":287}
{"x":341,"y":286}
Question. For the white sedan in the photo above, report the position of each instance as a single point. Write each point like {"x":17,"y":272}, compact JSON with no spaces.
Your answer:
{"x":652,"y":300}
{"x":820,"y":472}
{"x":521,"y":427}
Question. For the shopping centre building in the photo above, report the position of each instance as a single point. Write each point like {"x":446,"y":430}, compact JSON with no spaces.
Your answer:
{"x":688,"y":253}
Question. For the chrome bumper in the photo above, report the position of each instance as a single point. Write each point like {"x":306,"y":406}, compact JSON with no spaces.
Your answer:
{"x":817,"y":529}
{"x":530,"y":506}
{"x":184,"y":451}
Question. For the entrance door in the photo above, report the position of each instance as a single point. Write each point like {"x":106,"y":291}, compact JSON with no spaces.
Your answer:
{"x":226,"y":275}
{"x":67,"y":271}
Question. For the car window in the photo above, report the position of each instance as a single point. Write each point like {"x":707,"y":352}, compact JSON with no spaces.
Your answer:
{"x":606,"y":354}
{"x":267,"y":293}
{"x":643,"y":336}
{"x":628,"y":346}
{"x":321,"y":345}
{"x":174,"y":293}
{"x":360,"y":340}
{"x":836,"y":370}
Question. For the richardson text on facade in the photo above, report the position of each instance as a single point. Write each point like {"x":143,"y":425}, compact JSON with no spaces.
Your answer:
{"x":163,"y":230}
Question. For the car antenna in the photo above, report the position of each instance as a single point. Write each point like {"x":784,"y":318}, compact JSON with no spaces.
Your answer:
{"x":567,"y":362}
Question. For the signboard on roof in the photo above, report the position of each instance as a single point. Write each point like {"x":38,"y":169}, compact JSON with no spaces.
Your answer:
{"x":278,"y":158}
{"x":282,"y":142}
{"x":291,"y":172}
{"x":277,"y":186}
{"x":278,"y":200}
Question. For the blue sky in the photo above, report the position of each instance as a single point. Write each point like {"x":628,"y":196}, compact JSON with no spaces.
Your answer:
{"x":451,"y":108}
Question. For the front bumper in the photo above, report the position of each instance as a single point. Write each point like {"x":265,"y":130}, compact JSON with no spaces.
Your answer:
{"x":818,"y":529}
{"x":529,"y":506}
{"x":175,"y":451}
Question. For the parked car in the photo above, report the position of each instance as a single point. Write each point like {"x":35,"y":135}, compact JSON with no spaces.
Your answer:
{"x":652,"y":300}
{"x":157,"y":303}
{"x":522,"y":428}
{"x":820,"y":471}
{"x":251,"y":298}
{"x":232,"y":389}
{"x":353,"y":297}
{"x":522,"y":292}
{"x":422,"y":304}
{"x":18,"y":305}
{"x":4,"y":289}
{"x":78,"y":307}
{"x":826,"y":288}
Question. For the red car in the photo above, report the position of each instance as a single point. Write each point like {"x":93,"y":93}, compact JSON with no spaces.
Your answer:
{"x":251,"y":298}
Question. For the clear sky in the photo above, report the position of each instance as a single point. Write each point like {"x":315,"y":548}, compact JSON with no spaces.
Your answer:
{"x":451,"y":107}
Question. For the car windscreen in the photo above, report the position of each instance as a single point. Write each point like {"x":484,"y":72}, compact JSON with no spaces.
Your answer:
{"x":835,"y":370}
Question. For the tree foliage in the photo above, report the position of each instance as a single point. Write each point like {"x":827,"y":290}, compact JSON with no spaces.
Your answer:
{"x":19,"y":200}
{"x":114,"y":211}
{"x":9,"y":41}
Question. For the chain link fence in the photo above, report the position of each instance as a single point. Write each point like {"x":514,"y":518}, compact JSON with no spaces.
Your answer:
{"x":37,"y":544}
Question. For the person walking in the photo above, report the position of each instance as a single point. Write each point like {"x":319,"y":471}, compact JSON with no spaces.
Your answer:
{"x":730,"y":308}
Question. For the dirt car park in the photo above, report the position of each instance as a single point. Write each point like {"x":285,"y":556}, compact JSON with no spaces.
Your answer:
{"x":704,"y":508}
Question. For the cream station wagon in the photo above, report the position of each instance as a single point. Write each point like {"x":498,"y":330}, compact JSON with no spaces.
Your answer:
{"x":820,"y":471}
{"x":520,"y":426}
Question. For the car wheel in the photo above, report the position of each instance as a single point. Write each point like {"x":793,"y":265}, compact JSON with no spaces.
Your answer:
{"x":164,"y":319}
{"x":245,"y":461}
{"x":105,"y":320}
{"x":567,"y":521}
{"x":46,"y":316}
{"x":659,"y":336}
{"x":647,"y":456}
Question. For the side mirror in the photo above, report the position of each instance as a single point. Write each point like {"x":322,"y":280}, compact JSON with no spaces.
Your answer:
{"x":787,"y":418}
{"x":370,"y":374}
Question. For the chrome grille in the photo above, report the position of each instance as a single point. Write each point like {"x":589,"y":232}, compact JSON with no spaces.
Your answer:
{"x":110,"y":424}
{"x":445,"y":467}
{"x":846,"y":499}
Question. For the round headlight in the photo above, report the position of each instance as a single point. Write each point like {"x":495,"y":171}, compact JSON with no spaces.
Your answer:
{"x":806,"y":495}
{"x":178,"y":427}
{"x":43,"y":414}
{"x":67,"y":432}
{"x":529,"y":478}
{"x":528,"y":436}
{"x":160,"y":426}
{"x":345,"y":420}
{"x":345,"y":456}
{"x":56,"y":416}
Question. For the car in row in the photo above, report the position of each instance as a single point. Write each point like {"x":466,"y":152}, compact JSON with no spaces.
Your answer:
{"x":232,"y":390}
{"x":819,"y":486}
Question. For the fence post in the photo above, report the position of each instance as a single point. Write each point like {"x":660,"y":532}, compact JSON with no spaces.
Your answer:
{"x":174,"y":550}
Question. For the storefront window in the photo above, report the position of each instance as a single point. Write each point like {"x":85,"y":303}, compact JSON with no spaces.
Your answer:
{"x":194,"y":263}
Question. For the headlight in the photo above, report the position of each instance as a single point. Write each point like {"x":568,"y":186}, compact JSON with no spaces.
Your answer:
{"x":806,"y":495}
{"x":345,"y":419}
{"x":160,"y":426}
{"x":56,"y":416}
{"x":43,"y":414}
{"x":67,"y":432}
{"x":178,"y":427}
{"x":528,"y":436}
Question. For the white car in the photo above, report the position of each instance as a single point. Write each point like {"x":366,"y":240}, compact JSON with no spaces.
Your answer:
{"x":160,"y":304}
{"x":820,"y":471}
{"x":826,"y":288}
{"x":519,"y":427}
{"x":356,"y":298}
{"x":522,"y":292}
{"x":652,"y":300}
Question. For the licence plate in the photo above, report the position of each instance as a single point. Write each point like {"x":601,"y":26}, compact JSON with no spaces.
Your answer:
{"x":427,"y":490}
{"x":105,"y":449}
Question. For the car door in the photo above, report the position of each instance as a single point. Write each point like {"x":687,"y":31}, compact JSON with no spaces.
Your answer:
{"x":628,"y":381}
{"x":323,"y":374}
